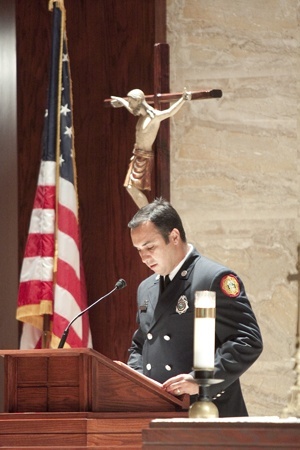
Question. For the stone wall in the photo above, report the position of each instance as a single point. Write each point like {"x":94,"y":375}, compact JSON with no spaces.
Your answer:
{"x":235,"y":163}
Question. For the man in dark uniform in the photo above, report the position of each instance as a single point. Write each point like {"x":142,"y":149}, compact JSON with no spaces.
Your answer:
{"x":162,"y":346}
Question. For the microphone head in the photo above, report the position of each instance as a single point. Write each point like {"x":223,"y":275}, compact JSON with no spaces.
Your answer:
{"x":120,"y":284}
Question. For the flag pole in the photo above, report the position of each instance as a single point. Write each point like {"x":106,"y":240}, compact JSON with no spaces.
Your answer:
{"x":46,"y":335}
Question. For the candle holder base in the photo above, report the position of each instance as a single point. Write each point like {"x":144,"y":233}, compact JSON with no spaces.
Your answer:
{"x":204,"y":408}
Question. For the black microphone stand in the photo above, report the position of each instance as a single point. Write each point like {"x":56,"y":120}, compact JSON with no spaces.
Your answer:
{"x":119,"y":285}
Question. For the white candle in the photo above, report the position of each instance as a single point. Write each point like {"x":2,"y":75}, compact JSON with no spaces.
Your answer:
{"x":204,"y":330}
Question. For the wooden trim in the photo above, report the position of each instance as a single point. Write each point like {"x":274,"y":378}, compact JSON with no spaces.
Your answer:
{"x":162,"y":144}
{"x":160,"y":25}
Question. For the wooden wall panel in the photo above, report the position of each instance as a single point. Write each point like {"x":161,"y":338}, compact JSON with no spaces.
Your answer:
{"x":111,"y":47}
{"x":8,"y":182}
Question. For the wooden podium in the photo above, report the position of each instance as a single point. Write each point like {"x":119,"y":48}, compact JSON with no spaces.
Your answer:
{"x":66,"y":397}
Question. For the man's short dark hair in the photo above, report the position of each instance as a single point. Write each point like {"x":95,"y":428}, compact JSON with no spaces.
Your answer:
{"x":162,"y":214}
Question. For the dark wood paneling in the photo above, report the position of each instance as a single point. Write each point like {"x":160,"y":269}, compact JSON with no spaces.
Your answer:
{"x":8,"y":181}
{"x":111,"y":47}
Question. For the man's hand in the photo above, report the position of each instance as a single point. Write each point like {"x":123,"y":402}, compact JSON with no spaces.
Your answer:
{"x":181,"y":384}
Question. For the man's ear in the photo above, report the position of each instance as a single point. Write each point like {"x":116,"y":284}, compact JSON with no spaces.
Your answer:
{"x":174,"y":236}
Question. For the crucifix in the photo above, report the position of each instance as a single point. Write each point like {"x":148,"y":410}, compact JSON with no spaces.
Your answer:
{"x":151,"y":127}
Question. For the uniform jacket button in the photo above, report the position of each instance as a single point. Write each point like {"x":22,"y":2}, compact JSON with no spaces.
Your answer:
{"x":167,"y":367}
{"x":149,"y":336}
{"x":167,"y":337}
{"x":148,"y":366}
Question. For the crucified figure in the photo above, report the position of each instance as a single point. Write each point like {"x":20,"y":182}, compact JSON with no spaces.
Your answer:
{"x":138,"y":178}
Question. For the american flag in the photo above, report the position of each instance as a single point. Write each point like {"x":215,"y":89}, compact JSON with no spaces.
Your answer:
{"x":52,"y":286}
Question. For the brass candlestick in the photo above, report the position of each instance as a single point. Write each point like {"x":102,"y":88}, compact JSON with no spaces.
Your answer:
{"x":204,"y":408}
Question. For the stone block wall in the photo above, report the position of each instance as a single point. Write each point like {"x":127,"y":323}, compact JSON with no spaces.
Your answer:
{"x":235,"y":163}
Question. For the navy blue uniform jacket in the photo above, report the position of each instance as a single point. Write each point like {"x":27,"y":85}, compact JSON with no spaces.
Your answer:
{"x":162,"y":346}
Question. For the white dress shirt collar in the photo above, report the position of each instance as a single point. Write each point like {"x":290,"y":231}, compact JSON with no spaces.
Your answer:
{"x":174,"y":271}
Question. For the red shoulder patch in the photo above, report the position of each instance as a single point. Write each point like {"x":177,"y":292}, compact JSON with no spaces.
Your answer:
{"x":230,"y":286}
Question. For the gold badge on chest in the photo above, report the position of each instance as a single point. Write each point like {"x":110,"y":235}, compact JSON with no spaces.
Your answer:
{"x":182,"y":305}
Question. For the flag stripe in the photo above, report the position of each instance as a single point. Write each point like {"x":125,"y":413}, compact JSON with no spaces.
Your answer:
{"x":45,"y":197}
{"x":42,"y":221}
{"x":37,"y":268}
{"x":31,"y":337}
{"x":69,"y":224}
{"x":69,"y":252}
{"x":67,"y":309}
{"x":73,"y":336}
{"x":39,"y":242}
{"x":31,"y":292}
{"x":67,"y":279}
{"x":47,"y":173}
{"x":68,"y":196}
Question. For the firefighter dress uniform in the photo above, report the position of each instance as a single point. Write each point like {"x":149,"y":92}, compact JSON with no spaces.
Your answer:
{"x":162,"y":346}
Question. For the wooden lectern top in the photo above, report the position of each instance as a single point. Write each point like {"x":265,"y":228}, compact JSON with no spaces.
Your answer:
{"x":80,"y":380}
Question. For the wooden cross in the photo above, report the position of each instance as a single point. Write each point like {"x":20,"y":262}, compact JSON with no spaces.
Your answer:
{"x":161,"y":101}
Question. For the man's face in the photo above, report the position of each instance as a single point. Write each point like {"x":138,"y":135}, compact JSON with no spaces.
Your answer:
{"x":159,"y":256}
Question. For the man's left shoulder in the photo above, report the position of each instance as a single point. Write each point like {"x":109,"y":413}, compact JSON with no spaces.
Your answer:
{"x":204,"y":262}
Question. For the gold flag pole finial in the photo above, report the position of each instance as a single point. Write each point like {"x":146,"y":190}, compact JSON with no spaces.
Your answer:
{"x":60,"y":4}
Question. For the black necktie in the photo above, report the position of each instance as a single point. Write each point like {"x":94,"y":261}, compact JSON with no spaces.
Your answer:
{"x":166,"y":281}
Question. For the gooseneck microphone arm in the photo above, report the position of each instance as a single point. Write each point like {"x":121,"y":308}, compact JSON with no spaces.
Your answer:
{"x":120,"y":284}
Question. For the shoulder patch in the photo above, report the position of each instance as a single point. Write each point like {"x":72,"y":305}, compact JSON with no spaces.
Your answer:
{"x":230,"y":286}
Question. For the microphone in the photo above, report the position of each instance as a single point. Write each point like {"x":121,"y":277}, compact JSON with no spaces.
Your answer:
{"x":120,"y":284}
